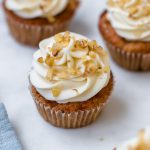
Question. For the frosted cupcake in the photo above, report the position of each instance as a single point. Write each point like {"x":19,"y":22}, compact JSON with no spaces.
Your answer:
{"x":142,"y":142}
{"x":70,"y":80}
{"x":125,"y":26}
{"x":31,"y":21}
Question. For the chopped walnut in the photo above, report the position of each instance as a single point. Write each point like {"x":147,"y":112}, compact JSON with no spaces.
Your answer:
{"x":100,"y":71}
{"x":72,"y":71}
{"x":56,"y":92}
{"x":56,"y":48}
{"x":92,"y":54}
{"x":63,"y":39}
{"x":49,"y":60}
{"x":106,"y":69}
{"x":91,"y":67}
{"x":92,"y":45}
{"x":67,"y":36}
{"x":40,"y":60}
{"x":81,"y":44}
{"x":58,"y":37}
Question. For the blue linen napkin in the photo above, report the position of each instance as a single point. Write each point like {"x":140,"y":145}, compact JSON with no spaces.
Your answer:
{"x":8,"y":138}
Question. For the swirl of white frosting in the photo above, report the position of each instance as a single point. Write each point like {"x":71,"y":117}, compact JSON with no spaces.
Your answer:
{"x":29,"y":9}
{"x":130,"y":18}
{"x":79,"y":86}
{"x":141,"y":142}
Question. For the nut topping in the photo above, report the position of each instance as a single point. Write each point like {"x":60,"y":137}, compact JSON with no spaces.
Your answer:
{"x":66,"y":66}
{"x":56,"y":92}
{"x":49,"y":60}
{"x":81,"y":44}
{"x":40,"y":60}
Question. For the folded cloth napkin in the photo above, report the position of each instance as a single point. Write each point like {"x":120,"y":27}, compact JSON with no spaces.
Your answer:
{"x":8,"y":138}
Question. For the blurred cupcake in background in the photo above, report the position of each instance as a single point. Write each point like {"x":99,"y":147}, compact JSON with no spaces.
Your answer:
{"x":142,"y":142}
{"x":125,"y":27}
{"x":31,"y":21}
{"x":71,"y":80}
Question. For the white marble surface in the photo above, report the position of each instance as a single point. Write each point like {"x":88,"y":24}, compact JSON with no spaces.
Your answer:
{"x":127,"y":112}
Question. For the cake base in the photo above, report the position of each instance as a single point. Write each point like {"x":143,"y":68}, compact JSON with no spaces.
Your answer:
{"x":75,"y":114}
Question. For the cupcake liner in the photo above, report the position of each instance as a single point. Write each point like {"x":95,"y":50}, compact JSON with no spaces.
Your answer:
{"x":61,"y":119}
{"x":33,"y":34}
{"x":68,"y":120}
{"x":130,"y":60}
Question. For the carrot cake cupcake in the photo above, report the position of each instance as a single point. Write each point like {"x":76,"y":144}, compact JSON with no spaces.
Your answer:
{"x":71,"y":80}
{"x":142,"y":142}
{"x":125,"y":27}
{"x":31,"y":21}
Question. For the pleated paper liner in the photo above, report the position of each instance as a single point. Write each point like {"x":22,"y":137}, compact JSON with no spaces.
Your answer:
{"x":130,"y":60}
{"x":68,"y":120}
{"x":74,"y":119}
{"x":31,"y":34}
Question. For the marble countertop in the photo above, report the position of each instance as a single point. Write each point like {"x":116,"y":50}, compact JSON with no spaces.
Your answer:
{"x":126,"y":113}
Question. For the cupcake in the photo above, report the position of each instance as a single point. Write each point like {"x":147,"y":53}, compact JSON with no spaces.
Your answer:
{"x":32,"y":21}
{"x":125,"y":27}
{"x":71,"y":80}
{"x":142,"y":142}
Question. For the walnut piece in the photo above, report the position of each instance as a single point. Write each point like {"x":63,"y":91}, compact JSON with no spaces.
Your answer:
{"x":56,"y":92}
{"x":81,"y":44}
{"x":40,"y":60}
{"x":49,"y":60}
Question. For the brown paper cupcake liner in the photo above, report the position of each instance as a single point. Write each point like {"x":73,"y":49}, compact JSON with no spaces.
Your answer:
{"x":61,"y":119}
{"x":130,"y":60}
{"x":33,"y":34}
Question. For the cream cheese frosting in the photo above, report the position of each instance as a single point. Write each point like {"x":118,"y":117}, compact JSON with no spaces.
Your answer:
{"x":130,"y":18}
{"x":29,"y":9}
{"x":138,"y":143}
{"x":69,"y":68}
